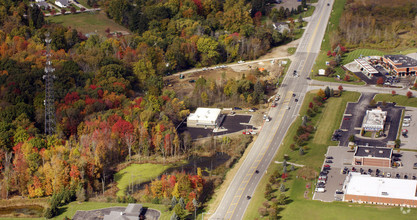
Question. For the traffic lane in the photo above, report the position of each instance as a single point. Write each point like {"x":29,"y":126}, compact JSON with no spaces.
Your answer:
{"x":241,"y":182}
{"x":244,"y":202}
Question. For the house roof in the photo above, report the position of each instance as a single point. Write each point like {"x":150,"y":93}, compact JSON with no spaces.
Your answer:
{"x":134,"y":209}
{"x":379,"y":152}
{"x":63,"y":2}
{"x":366,"y":185}
{"x":402,"y":60}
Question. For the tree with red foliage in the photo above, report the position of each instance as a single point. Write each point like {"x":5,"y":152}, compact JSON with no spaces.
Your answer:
{"x":343,"y":49}
{"x":329,"y":53}
{"x":71,"y":97}
{"x":82,"y":9}
{"x":53,"y":12}
{"x":393,"y":92}
{"x":340,"y":88}
{"x":73,"y":10}
{"x":334,"y":54}
{"x":257,"y":18}
{"x":409,"y":94}
{"x":347,"y":78}
{"x":63,"y":10}
{"x":380,"y":81}
{"x":122,"y":127}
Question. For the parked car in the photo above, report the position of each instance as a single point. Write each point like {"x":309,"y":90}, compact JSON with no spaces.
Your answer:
{"x":274,"y":104}
{"x":329,"y":161}
{"x":191,"y":81}
{"x":329,"y":157}
{"x":388,"y":175}
{"x":397,"y":176}
{"x":295,"y":100}
{"x":415,"y":166}
{"x":339,"y":192}
{"x":327,"y":165}
{"x":277,"y":97}
{"x":237,"y":108}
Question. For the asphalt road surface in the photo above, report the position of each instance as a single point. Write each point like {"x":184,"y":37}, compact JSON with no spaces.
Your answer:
{"x":236,"y":200}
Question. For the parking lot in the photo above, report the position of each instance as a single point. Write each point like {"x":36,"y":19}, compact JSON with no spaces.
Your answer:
{"x":410,"y":141}
{"x":342,"y":158}
{"x":353,"y":119}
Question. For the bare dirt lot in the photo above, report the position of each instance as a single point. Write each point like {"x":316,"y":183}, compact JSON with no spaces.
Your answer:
{"x":288,"y":4}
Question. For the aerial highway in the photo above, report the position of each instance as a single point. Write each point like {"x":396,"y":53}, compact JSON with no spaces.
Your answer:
{"x":294,"y":86}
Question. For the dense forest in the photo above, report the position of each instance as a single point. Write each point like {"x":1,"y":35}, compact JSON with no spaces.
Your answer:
{"x":111,"y":105}
{"x":371,"y":23}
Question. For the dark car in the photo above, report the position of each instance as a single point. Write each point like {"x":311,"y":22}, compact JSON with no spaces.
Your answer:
{"x":397,"y":176}
{"x":248,"y":197}
{"x":369,"y":170}
{"x":237,"y":108}
{"x":191,"y":81}
{"x":328,"y":4}
{"x":329,"y":161}
{"x":296,"y":100}
{"x":257,"y":171}
{"x":339,"y":192}
{"x":414,"y":177}
{"x":353,"y":169}
{"x":293,"y":94}
{"x":329,"y":157}
{"x":308,"y":78}
{"x":405,"y":177}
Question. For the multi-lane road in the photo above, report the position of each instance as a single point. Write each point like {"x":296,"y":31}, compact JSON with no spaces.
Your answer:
{"x":237,"y":197}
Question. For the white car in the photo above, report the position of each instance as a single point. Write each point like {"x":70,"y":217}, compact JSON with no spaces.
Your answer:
{"x":241,"y":61}
{"x":287,"y":107}
{"x":388,"y":175}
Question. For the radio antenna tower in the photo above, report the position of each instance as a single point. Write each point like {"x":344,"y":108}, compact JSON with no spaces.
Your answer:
{"x":50,"y":123}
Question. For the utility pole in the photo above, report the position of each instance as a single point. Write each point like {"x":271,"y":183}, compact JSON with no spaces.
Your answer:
{"x":50,"y":123}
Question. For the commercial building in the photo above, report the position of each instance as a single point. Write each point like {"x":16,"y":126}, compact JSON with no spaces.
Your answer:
{"x":378,"y":190}
{"x":372,"y":156}
{"x":374,"y":120}
{"x":205,"y":118}
{"x":400,"y":64}
{"x":366,"y":68}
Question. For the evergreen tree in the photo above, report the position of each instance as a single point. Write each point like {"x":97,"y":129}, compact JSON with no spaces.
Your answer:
{"x":173,"y":202}
{"x":301,"y":151}
{"x":282,"y":188}
{"x":327,"y":92}
{"x":181,"y":202}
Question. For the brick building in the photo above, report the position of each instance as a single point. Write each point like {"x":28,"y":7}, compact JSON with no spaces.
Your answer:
{"x":372,"y":156}
{"x":378,"y":190}
{"x":400,"y":64}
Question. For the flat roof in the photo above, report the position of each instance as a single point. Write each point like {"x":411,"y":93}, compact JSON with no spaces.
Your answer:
{"x":380,"y":152}
{"x":365,"y":64}
{"x":375,"y":117}
{"x":366,"y":185}
{"x":402,"y":60}
{"x":205,"y":114}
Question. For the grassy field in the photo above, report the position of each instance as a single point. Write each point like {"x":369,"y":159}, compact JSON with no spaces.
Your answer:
{"x":84,"y":3}
{"x":300,"y":208}
{"x":291,"y":50}
{"x":349,"y":57}
{"x":399,"y":99}
{"x":88,"y":22}
{"x":137,"y":173}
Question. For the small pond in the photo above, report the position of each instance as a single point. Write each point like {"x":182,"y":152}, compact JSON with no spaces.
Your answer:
{"x":22,"y":211}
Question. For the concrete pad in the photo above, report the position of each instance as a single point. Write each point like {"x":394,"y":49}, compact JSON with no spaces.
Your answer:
{"x":410,"y":142}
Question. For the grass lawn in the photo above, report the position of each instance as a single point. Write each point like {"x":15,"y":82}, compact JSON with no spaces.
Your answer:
{"x":84,"y":3}
{"x":305,"y":14}
{"x":88,"y":22}
{"x":326,"y":122}
{"x":291,"y":50}
{"x":137,"y":173}
{"x":311,"y":209}
{"x":399,"y":99}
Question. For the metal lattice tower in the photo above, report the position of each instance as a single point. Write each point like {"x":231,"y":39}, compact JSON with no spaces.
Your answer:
{"x":50,"y":123}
